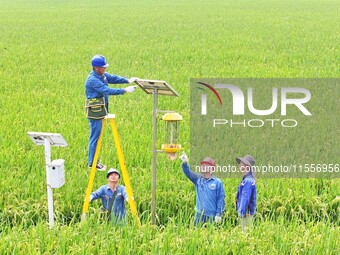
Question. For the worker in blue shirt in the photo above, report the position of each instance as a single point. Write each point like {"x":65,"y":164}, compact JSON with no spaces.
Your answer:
{"x":246,"y":193}
{"x":113,"y":197}
{"x":96,"y":86}
{"x":209,"y":191}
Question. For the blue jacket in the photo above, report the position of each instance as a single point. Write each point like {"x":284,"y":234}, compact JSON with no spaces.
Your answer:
{"x":105,"y":193}
{"x":209,"y":193}
{"x":246,"y":196}
{"x":97,"y":86}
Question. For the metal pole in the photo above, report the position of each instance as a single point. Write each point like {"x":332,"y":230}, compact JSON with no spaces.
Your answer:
{"x":154,"y":155}
{"x":49,"y":189}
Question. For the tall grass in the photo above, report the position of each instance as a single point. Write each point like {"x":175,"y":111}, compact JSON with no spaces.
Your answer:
{"x":45,"y":50}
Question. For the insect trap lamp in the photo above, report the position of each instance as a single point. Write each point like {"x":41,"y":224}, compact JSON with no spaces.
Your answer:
{"x":171,"y":121}
{"x":171,"y":134}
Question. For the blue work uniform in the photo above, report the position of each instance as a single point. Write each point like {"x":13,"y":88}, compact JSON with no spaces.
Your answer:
{"x":96,"y":85}
{"x":209,"y":196}
{"x":246,"y":196}
{"x":106,"y":194}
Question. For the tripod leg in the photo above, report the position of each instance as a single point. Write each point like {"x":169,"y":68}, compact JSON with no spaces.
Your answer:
{"x":125,"y":173}
{"x":93,"y":172}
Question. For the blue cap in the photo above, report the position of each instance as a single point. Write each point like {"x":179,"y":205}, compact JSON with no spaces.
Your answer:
{"x":99,"y":61}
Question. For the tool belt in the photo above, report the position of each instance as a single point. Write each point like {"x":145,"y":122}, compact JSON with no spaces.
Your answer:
{"x":95,"y":108}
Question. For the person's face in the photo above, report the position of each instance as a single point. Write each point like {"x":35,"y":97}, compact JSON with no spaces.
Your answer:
{"x":99,"y":70}
{"x":206,"y":168}
{"x":244,"y":168}
{"x":113,"y":177}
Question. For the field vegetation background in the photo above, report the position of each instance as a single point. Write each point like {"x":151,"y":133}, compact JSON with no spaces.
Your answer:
{"x":45,"y":53}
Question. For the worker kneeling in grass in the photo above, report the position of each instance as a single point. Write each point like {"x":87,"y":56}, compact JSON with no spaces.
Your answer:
{"x":113,"y":197}
{"x":209,"y":191}
{"x":246,"y":193}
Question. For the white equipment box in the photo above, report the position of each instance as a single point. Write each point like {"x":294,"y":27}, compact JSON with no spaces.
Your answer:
{"x":55,"y":173}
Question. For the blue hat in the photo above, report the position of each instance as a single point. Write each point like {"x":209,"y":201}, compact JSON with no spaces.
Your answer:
{"x":112,"y":170}
{"x":99,"y":61}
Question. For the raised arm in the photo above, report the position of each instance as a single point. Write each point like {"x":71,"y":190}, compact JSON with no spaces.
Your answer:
{"x":115,"y":79}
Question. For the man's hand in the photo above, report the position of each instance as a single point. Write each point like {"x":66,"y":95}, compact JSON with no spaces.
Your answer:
{"x":133,"y":79}
{"x":218,"y":219}
{"x":130,"y":89}
{"x":184,"y":158}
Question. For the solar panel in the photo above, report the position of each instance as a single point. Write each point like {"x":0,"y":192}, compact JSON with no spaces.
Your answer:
{"x":55,"y":139}
{"x":162,"y":87}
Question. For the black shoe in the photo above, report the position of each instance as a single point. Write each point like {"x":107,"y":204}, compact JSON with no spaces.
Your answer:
{"x":99,"y":167}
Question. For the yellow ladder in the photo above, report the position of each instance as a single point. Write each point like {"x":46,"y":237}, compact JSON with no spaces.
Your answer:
{"x":125,"y":174}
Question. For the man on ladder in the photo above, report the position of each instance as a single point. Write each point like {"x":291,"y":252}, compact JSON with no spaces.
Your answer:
{"x":97,"y":89}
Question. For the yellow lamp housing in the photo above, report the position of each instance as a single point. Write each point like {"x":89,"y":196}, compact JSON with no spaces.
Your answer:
{"x":171,"y":132}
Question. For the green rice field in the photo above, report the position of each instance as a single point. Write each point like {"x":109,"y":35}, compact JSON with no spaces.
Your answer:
{"x":45,"y":52}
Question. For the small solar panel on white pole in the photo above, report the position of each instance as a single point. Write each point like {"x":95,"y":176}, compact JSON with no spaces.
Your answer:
{"x":54,"y":169}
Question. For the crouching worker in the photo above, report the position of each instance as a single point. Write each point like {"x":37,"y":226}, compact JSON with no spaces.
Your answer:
{"x":246,"y":193}
{"x":209,"y":191}
{"x":113,"y":198}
